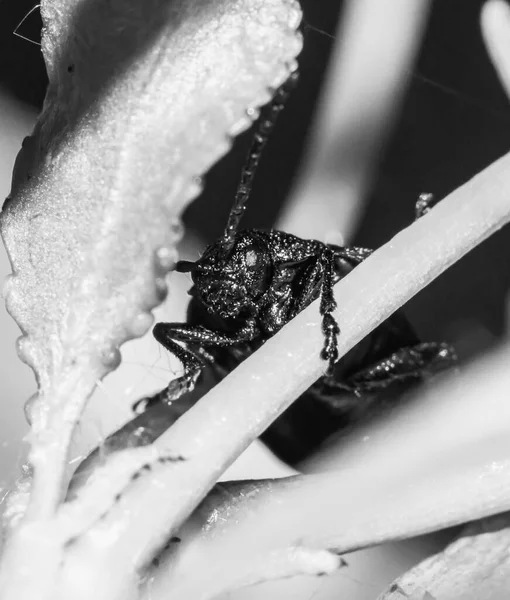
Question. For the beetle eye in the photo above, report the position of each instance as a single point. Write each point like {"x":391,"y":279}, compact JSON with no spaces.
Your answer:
{"x":252,"y":259}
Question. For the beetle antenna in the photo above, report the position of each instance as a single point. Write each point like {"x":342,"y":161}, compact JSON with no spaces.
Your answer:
{"x":265,"y":126}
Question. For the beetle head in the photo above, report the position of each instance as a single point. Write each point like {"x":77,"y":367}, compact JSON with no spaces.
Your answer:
{"x":231,"y":281}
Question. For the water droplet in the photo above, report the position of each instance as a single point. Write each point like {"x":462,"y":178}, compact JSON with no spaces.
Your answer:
{"x":111,"y":358}
{"x":7,"y":285}
{"x":161,"y":288}
{"x":141,"y":324}
{"x":253,"y":112}
{"x":177,"y":229}
{"x":30,"y":408}
{"x":166,"y":258}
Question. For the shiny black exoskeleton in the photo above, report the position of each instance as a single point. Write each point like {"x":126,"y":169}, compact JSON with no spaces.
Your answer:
{"x":249,"y":284}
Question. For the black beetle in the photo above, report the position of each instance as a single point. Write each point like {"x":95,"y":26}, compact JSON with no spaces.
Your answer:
{"x":250,"y":283}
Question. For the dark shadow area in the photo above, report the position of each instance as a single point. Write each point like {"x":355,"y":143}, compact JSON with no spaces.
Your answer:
{"x":22,"y":70}
{"x":455,"y":122}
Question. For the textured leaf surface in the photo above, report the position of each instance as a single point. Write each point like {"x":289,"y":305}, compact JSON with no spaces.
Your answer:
{"x":143,"y":98}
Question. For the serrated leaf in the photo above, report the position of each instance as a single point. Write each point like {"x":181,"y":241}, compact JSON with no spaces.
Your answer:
{"x":143,"y":98}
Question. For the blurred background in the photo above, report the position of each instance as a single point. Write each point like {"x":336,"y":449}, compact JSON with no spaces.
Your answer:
{"x":454,"y":121}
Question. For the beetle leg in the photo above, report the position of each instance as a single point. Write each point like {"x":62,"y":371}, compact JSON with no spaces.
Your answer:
{"x":323,"y":265}
{"x":353,"y":255}
{"x":193,"y":362}
{"x":405,"y":365}
{"x":197,"y":334}
{"x":327,"y":306}
{"x":193,"y":358}
{"x":424,"y":203}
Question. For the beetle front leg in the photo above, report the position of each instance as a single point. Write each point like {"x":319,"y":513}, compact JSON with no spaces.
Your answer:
{"x":327,"y":306}
{"x":197,"y":334}
{"x":193,"y":359}
{"x":331,"y":270}
{"x":323,"y":266}
{"x":193,"y":362}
